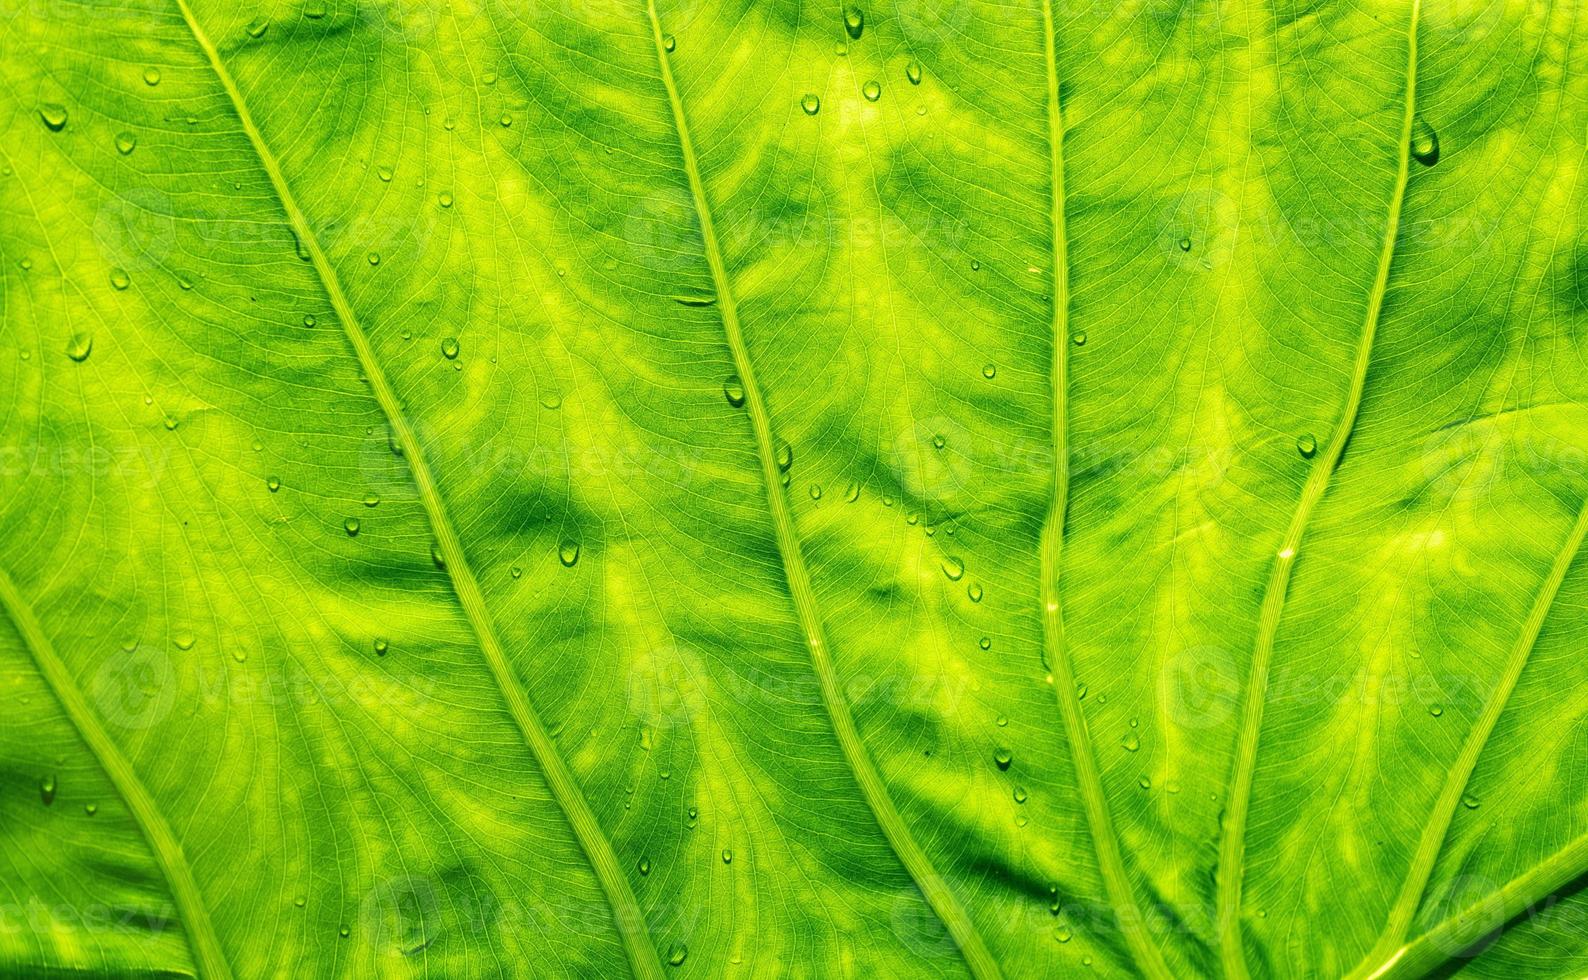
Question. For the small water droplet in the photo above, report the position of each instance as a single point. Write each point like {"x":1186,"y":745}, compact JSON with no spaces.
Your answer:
{"x":506,"y":120}
{"x":372,"y":500}
{"x":300,"y":901}
{"x":974,"y":592}
{"x":436,"y":556}
{"x":171,"y":424}
{"x":1307,"y":446}
{"x":670,"y":43}
{"x":975,"y":265}
{"x":384,"y":173}
{"x":450,"y":348}
{"x":854,"y":22}
{"x":811,"y":103}
{"x":568,"y":553}
{"x":695,"y":300}
{"x":273,"y":483}
{"x":1470,"y":802}
{"x":872,"y":90}
{"x":953,"y":568}
{"x":1062,"y":933}
{"x":785,"y":456}
{"x":1425,"y":143}
{"x":912,"y":71}
{"x":257,"y":27}
{"x":1020,"y":794}
{"x":47,"y":789}
{"x":1003,"y":758}
{"x":986,"y":644}
{"x":80,"y":346}
{"x":445,"y":198}
{"x":938,"y":442}
{"x":1436,"y":710}
{"x":816,"y":491}
{"x":1144,"y":782}
{"x":1079,"y":338}
{"x":677,"y":954}
{"x":1080,"y":692}
{"x":344,"y":932}
{"x":645,"y":866}
{"x":90,"y":808}
{"x":852,"y":492}
{"x":733,"y":390}
{"x":381,"y":646}
{"x":151,"y":76}
{"x":54,"y":116}
{"x":727,"y":856}
{"x":183,"y":641}
{"x":119,"y":278}
{"x":989,"y":371}
{"x":1130,"y":743}
{"x":517,"y":571}
{"x":351,"y":525}
{"x":374,"y":258}
{"x":126,"y":143}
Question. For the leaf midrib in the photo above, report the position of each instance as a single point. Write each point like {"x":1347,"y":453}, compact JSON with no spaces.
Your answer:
{"x":629,"y":920}
{"x":197,"y":924}
{"x":1232,"y":846}
{"x":932,"y":885}
{"x":1105,"y":838}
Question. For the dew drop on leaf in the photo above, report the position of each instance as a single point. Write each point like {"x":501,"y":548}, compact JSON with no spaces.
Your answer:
{"x":854,"y":22}
{"x":374,"y":258}
{"x":1185,"y":244}
{"x":852,"y":492}
{"x":727,"y":856}
{"x":90,"y":808}
{"x":1436,"y":710}
{"x":1003,"y":758}
{"x":986,"y":644}
{"x":989,"y":371}
{"x":436,"y":557}
{"x":645,"y":866}
{"x":1130,"y":743}
{"x":257,"y":27}
{"x":54,"y":116}
{"x":811,"y":103}
{"x":450,"y":348}
{"x":351,"y":526}
{"x":872,"y":90}
{"x":1079,"y":339}
{"x":974,"y":592}
{"x":119,"y":279}
{"x":381,"y":646}
{"x":47,"y":790}
{"x":816,"y":491}
{"x":126,"y":143}
{"x":151,"y":76}
{"x":183,"y":641}
{"x":371,"y":500}
{"x":1425,"y":143}
{"x":445,"y":198}
{"x":912,"y":71}
{"x":568,"y":553}
{"x":953,"y":568}
{"x":1020,"y":794}
{"x":1470,"y":802}
{"x":733,"y":390}
{"x":785,"y":456}
{"x":273,"y":483}
{"x":80,"y":346}
{"x":670,"y":43}
{"x":1307,"y":446}
{"x":677,"y":954}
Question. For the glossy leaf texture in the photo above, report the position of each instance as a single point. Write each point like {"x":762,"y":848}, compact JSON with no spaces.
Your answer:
{"x":759,"y":488}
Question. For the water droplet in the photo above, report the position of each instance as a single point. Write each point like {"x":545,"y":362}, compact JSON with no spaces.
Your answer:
{"x":517,"y":571}
{"x":568,"y":553}
{"x":677,"y":954}
{"x":733,"y":391}
{"x":374,"y":258}
{"x":975,"y":265}
{"x":1062,"y":933}
{"x":1436,"y":710}
{"x":872,"y":90}
{"x":727,"y":856}
{"x":257,"y":27}
{"x":1425,"y":143}
{"x":273,"y":483}
{"x":785,"y":456}
{"x":989,"y":371}
{"x":1079,"y":338}
{"x":912,"y":71}
{"x":974,"y":592}
{"x":372,"y":500}
{"x":1020,"y":794}
{"x":506,"y":120}
{"x":344,"y":932}
{"x":171,"y":424}
{"x":695,"y":300}
{"x":300,"y":901}
{"x":852,"y":492}
{"x":47,"y":789}
{"x":381,"y":646}
{"x":90,"y":808}
{"x":436,"y":556}
{"x":953,"y":568}
{"x":1080,"y":692}
{"x":126,"y":143}
{"x":938,"y":442}
{"x":986,"y":644}
{"x":854,"y":22}
{"x":151,"y":76}
{"x":80,"y":346}
{"x":384,"y":173}
{"x":350,"y":525}
{"x":183,"y":641}
{"x":811,"y":103}
{"x":445,"y":197}
{"x":1470,"y":802}
{"x":54,"y":116}
{"x":645,"y":866}
{"x":1130,"y":742}
{"x":816,"y":491}
{"x":1306,"y":446}
{"x":450,"y":348}
{"x":119,"y":278}
{"x":1004,"y":758}
{"x":670,"y":43}
{"x":1144,"y":782}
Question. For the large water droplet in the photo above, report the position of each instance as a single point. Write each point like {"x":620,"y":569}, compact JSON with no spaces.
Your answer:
{"x":727,"y":856}
{"x":445,"y":198}
{"x":80,"y":346}
{"x":811,"y":103}
{"x":912,"y":71}
{"x":953,"y":568}
{"x":1470,"y":802}
{"x":119,"y":278}
{"x":989,"y":371}
{"x":785,"y":456}
{"x":151,"y":76}
{"x":273,"y":483}
{"x":257,"y":27}
{"x":872,"y":90}
{"x":854,"y":22}
{"x":1130,"y":743}
{"x":670,"y":43}
{"x":1425,"y":143}
{"x":183,"y":641}
{"x":568,"y":553}
{"x":381,"y":646}
{"x":126,"y":143}
{"x":351,"y":526}
{"x":54,"y":116}
{"x":1307,"y":446}
{"x":1020,"y":794}
{"x":450,"y":348}
{"x":1003,"y":758}
{"x":733,"y":390}
{"x":645,"y":866}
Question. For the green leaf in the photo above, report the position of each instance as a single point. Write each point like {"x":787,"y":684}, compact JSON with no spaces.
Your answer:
{"x":675,"y":487}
